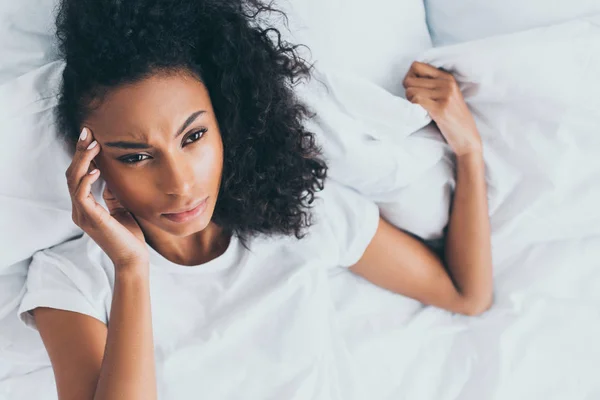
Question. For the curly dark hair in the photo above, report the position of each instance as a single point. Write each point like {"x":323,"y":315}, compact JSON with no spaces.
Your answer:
{"x":272,"y":165}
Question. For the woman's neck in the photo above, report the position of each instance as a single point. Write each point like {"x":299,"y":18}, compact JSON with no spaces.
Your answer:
{"x":195,"y":249}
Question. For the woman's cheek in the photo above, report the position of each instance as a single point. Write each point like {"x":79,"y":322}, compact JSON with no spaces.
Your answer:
{"x":132,"y":189}
{"x":210,"y":165}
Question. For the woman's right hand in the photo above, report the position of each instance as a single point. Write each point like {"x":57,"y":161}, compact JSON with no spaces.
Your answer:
{"x":116,"y":231}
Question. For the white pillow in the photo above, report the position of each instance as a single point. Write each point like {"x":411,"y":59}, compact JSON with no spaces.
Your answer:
{"x":26,"y":36}
{"x":376,"y":41}
{"x":530,"y":95}
{"x":463,"y":20}
{"x":539,"y":130}
{"x":368,"y":138}
{"x":35,"y":208}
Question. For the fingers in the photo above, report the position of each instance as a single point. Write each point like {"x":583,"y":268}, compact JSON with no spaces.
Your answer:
{"x":422,"y":70}
{"x":87,"y":213}
{"x":428,"y":104}
{"x":87,"y":148}
{"x":425,"y":83}
{"x":85,"y":139}
{"x":415,"y":95}
{"x":83,"y":193}
{"x":429,"y":99}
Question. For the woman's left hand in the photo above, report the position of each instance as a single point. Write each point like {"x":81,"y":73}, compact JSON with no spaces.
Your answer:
{"x":438,"y":92}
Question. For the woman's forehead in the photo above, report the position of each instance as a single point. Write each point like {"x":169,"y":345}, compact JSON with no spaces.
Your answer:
{"x":159,"y":103}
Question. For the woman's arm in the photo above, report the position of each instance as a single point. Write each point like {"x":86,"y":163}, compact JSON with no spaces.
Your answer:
{"x":462,"y":282}
{"x":128,"y":369}
{"x":91,"y":362}
{"x":468,"y":251}
{"x":398,"y":262}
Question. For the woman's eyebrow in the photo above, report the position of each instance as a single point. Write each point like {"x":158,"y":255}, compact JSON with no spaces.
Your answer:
{"x":127,"y":145}
{"x":138,"y":145}
{"x":188,"y":121}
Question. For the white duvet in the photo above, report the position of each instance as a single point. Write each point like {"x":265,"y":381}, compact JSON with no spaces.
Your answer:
{"x":535,"y":98}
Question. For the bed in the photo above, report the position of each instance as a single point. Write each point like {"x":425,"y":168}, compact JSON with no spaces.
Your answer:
{"x":529,"y":74}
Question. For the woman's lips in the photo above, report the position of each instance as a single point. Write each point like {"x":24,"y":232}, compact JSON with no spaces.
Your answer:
{"x":188,"y":215}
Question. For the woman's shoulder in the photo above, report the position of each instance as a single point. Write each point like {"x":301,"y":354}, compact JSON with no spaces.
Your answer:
{"x":70,"y":276}
{"x":80,"y":252}
{"x":337,"y":204}
{"x":347,"y":221}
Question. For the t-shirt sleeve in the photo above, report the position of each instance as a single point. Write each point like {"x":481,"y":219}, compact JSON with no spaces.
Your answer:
{"x":352,"y":220}
{"x":54,"y":281}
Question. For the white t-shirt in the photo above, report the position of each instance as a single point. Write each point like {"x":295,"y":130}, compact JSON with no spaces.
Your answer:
{"x":252,"y":324}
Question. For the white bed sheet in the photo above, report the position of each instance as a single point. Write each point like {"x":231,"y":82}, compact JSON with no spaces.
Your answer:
{"x":540,"y":339}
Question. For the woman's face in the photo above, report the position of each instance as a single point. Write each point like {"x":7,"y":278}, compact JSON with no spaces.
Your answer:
{"x":161,"y":151}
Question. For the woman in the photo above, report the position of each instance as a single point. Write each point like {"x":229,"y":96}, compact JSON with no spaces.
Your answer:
{"x":216,"y":213}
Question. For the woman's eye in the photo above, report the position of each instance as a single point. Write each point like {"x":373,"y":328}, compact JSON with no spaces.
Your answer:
{"x":195,"y":136}
{"x":134,"y":159}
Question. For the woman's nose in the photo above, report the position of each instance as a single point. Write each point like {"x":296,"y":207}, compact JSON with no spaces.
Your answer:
{"x":177,"y":177}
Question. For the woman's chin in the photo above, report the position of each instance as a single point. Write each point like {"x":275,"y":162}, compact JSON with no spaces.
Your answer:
{"x":185,"y":228}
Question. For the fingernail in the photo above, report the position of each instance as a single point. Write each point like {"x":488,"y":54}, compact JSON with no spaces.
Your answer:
{"x":92,"y":145}
{"x":83,"y":134}
{"x":92,"y":172}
